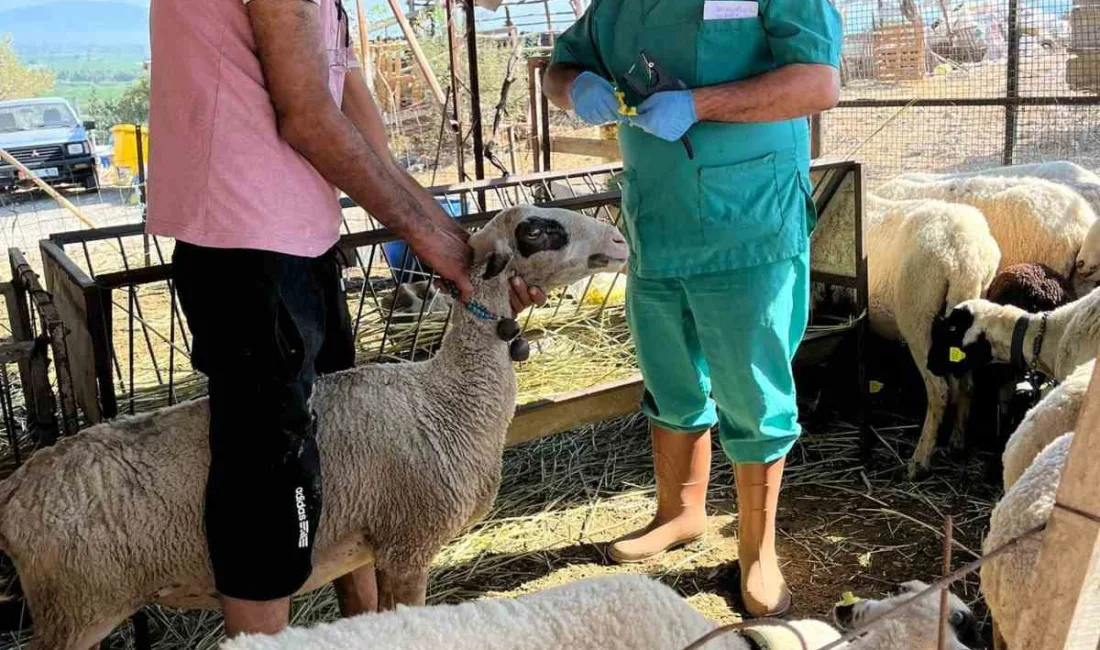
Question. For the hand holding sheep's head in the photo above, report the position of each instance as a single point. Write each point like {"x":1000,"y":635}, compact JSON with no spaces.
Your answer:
{"x":916,"y":625}
{"x":958,"y":344}
{"x":547,"y":247}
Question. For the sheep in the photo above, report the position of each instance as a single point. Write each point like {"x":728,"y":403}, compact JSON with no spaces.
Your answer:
{"x":925,"y":257}
{"x":1027,"y":505}
{"x":1055,"y":414}
{"x":914,"y":628}
{"x":1054,"y":343}
{"x":628,"y":611}
{"x":1058,"y":171}
{"x":1088,"y":258}
{"x":1034,"y":288}
{"x":111,"y":519}
{"x":1033,"y":220}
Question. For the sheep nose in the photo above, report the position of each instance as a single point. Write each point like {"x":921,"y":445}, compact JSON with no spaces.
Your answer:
{"x":618,"y":239}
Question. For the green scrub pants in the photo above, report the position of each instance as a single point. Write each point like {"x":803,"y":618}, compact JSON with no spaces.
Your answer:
{"x":716,"y":349}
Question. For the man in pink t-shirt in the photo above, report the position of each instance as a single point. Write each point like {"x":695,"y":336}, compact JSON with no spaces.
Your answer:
{"x":257,"y":118}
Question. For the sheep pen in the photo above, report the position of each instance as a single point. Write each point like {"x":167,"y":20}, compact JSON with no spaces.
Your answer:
{"x":563,"y":497}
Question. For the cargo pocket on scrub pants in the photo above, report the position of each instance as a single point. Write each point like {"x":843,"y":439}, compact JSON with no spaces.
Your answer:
{"x":743,"y":210}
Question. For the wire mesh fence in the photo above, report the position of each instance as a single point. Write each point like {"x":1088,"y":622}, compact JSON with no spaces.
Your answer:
{"x":934,"y":85}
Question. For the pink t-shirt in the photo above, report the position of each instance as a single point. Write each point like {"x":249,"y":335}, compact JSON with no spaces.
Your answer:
{"x":219,"y":174}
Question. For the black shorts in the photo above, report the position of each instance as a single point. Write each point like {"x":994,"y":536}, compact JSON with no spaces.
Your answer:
{"x":263,"y":326}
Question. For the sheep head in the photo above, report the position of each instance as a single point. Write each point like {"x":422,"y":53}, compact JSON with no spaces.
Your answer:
{"x":915,"y":627}
{"x":974,"y":334}
{"x":547,"y":247}
{"x":1088,"y":258}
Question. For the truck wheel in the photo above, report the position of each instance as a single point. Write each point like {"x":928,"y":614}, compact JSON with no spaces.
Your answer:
{"x":91,"y":182}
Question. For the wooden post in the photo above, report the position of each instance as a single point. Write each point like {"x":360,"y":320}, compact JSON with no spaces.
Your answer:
{"x":366,"y":54}
{"x":549,"y":21}
{"x":418,"y":54}
{"x":1067,"y":573}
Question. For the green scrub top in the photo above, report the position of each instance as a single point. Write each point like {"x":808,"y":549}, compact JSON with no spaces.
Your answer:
{"x":745,"y":198}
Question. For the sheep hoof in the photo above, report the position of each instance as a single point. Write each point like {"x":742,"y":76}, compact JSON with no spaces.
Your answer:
{"x":917,"y":471}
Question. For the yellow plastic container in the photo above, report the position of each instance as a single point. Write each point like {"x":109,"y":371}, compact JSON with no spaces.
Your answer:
{"x":125,"y":146}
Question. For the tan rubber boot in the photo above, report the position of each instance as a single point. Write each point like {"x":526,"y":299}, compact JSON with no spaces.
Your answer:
{"x":763,"y":590}
{"x":681,"y":462}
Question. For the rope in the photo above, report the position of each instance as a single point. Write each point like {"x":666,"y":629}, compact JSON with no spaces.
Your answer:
{"x":942,"y":583}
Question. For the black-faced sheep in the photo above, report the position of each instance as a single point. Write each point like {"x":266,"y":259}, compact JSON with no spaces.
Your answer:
{"x":925,"y":257}
{"x":914,"y":628}
{"x":978,"y":332}
{"x":1001,"y":393}
{"x":111,"y":519}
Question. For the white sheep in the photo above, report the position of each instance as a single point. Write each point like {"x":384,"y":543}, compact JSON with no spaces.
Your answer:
{"x":1059,"y":171}
{"x":629,"y":612}
{"x":984,"y":331}
{"x":1054,"y":415}
{"x":1088,"y":258}
{"x":1032,"y":220}
{"x":1027,"y":505}
{"x":916,"y":627}
{"x":111,"y":519}
{"x":923,"y":258}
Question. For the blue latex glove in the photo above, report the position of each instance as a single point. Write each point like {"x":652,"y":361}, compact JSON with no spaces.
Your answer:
{"x":594,"y":99}
{"x":667,"y":115}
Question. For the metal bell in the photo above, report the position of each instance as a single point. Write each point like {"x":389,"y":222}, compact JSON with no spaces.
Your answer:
{"x":507,"y":329}
{"x":519,"y":349}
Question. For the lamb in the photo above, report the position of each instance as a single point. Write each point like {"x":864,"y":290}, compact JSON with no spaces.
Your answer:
{"x":914,"y":628}
{"x":627,"y":611}
{"x":1027,"y":505}
{"x":1058,"y":171}
{"x":998,"y":388}
{"x":1054,"y":415}
{"x":1033,"y":220}
{"x":1088,"y":258}
{"x":111,"y":519}
{"x":925,"y":257}
{"x":1055,"y":343}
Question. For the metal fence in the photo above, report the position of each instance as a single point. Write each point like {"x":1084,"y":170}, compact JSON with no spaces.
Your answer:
{"x":130,"y":341}
{"x":935,"y":85}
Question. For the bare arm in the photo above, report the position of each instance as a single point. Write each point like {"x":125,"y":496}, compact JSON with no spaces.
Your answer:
{"x":295,"y":64}
{"x":785,"y":93}
{"x":557,"y":82}
{"x":362,"y":110}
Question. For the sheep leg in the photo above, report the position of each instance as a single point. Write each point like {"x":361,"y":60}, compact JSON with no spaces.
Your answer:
{"x":936,"y":390}
{"x":960,"y":393}
{"x":357,"y":592}
{"x":401,"y":586}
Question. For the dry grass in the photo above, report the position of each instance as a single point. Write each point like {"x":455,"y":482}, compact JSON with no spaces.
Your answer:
{"x":844,"y":527}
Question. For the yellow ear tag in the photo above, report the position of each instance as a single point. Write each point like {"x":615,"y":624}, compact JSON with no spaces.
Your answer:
{"x":875,"y":386}
{"x":956,"y":355}
{"x":629,"y":111}
{"x":847,"y":599}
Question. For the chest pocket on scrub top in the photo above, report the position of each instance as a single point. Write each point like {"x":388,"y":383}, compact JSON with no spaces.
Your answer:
{"x":731,"y":49}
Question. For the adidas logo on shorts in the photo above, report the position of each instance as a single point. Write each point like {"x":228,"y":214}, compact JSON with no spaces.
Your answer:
{"x":303,"y":523}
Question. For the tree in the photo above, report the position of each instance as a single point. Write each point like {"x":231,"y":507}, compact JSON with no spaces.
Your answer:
{"x":18,"y":81}
{"x":132,"y":107}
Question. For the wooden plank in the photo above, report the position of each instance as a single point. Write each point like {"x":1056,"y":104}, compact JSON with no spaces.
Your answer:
{"x":571,"y":410}
{"x":418,"y":54}
{"x":596,"y":147}
{"x":71,"y":307}
{"x":1067,"y":572}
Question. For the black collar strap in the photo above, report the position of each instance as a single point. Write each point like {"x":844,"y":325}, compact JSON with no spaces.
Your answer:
{"x":1019,"y":333}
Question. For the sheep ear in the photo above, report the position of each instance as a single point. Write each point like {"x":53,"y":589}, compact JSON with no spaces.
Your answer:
{"x":496,"y":263}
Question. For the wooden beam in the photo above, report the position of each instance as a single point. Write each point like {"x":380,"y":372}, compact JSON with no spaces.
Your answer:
{"x":45,"y":187}
{"x":571,"y":410}
{"x":1067,"y":573}
{"x":598,"y":148}
{"x":366,"y":54}
{"x":418,"y":54}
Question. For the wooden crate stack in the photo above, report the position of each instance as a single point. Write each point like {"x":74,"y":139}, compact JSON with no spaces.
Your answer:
{"x":1083,"y":65}
{"x":899,"y":52}
{"x":395,"y":84}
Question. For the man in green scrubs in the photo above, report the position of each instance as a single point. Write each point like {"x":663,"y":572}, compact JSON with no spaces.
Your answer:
{"x":718,"y":292}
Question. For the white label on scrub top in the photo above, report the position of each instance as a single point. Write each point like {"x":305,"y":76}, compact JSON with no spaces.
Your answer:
{"x":727,"y":9}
